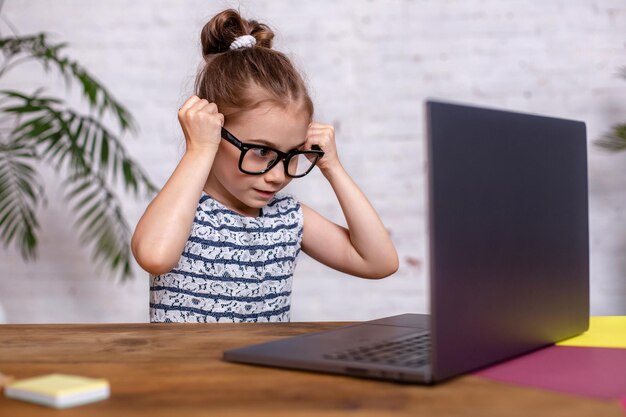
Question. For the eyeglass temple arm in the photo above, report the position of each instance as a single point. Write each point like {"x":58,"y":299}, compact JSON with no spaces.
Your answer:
{"x":317,"y":148}
{"x":230,"y":137}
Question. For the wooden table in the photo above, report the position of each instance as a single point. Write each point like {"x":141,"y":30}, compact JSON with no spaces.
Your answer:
{"x":176,"y":370}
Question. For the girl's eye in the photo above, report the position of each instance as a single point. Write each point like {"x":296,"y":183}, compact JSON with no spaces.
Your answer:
{"x":263,"y":153}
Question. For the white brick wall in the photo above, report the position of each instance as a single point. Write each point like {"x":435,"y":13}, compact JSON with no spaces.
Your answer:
{"x":369,"y":65}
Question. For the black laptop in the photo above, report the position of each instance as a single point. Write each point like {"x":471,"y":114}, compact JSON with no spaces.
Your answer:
{"x":509,"y":255}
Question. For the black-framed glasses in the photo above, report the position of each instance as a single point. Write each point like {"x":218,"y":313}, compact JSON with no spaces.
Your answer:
{"x":258,"y":159}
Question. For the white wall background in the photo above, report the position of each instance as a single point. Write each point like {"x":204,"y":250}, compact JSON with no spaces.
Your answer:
{"x":370,"y":65}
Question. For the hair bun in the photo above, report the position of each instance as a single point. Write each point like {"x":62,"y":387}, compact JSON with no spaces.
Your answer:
{"x":226,"y":26}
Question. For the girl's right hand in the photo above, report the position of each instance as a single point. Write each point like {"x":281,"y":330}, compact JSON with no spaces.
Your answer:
{"x":201,"y":123}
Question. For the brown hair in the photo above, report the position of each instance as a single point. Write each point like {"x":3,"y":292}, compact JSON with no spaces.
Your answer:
{"x":241,"y":79}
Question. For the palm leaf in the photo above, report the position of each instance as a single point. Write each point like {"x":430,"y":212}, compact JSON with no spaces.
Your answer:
{"x":100,"y":221}
{"x":37,"y":47}
{"x":21,"y":192}
{"x":615,"y":140}
{"x":74,"y":141}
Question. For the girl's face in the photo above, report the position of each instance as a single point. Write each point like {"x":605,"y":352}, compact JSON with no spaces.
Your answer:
{"x":267,"y":125}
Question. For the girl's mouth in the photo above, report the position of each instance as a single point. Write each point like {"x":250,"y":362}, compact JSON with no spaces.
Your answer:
{"x":266,"y":194}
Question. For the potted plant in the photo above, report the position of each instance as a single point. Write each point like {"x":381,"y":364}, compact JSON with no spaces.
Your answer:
{"x":88,"y":156}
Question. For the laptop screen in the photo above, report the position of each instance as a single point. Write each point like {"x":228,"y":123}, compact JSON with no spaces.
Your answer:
{"x":508,"y":230}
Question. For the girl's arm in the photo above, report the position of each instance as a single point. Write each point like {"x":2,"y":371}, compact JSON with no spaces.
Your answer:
{"x":364,"y":248}
{"x":162,"y":231}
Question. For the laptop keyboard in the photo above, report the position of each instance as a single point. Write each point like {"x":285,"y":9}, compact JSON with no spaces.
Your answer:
{"x":409,"y":351}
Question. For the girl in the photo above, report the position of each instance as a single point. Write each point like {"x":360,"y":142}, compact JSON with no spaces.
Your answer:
{"x":220,"y":240}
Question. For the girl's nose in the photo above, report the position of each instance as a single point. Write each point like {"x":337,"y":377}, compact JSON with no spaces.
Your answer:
{"x":276,"y":174}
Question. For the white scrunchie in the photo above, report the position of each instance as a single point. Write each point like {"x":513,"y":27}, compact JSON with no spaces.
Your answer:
{"x":245,"y":41}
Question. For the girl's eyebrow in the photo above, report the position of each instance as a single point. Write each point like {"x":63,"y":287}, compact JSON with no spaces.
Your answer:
{"x":270,"y":144}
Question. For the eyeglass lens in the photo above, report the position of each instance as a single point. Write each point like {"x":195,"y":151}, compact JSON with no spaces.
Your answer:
{"x":257,"y":160}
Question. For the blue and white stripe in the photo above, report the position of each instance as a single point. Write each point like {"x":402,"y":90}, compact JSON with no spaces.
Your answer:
{"x":233,"y":268}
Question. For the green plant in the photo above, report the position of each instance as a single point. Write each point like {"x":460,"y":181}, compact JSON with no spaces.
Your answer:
{"x":90,"y":158}
{"x":615,"y":139}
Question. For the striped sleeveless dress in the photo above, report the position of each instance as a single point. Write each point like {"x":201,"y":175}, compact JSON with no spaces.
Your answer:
{"x":233,"y":268}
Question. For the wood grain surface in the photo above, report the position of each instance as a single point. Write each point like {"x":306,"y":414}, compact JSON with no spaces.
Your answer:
{"x":177,"y":370}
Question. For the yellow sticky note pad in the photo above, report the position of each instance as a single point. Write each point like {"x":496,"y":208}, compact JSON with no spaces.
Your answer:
{"x":58,"y":390}
{"x":604,"y":331}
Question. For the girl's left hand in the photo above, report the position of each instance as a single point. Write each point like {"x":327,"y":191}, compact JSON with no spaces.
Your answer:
{"x":324,"y":137}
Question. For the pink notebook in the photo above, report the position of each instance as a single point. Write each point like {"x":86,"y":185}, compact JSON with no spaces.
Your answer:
{"x":592,"y":372}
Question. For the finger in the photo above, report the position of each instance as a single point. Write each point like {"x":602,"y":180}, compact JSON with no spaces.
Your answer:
{"x":190,"y":102}
{"x":194,"y":109}
{"x":207,"y":106}
{"x":318,"y":137}
{"x":321,"y":129}
{"x":315,"y":125}
{"x":319,"y":140}
{"x":199,"y":105}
